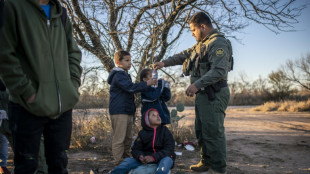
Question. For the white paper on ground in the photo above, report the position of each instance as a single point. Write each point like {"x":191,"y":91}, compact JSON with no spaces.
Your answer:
{"x":189,"y":147}
{"x":178,"y":153}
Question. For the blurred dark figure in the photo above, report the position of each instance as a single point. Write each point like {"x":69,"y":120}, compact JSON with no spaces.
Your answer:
{"x":1,"y":10}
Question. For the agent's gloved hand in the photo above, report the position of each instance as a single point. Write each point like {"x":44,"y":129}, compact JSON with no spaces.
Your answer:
{"x":158,"y":65}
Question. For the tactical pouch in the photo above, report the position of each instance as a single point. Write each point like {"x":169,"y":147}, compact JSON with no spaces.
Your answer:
{"x":186,"y":70}
{"x":187,"y":67}
{"x":232,"y":64}
{"x":210,"y":92}
{"x":215,"y":88}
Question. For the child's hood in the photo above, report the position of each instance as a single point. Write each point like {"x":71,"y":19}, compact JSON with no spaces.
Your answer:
{"x":113,"y":72}
{"x":145,"y":122}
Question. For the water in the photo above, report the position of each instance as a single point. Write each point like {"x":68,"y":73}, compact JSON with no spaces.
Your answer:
{"x":155,"y":75}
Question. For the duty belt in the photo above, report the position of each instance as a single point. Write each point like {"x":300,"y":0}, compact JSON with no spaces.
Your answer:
{"x":212,"y":89}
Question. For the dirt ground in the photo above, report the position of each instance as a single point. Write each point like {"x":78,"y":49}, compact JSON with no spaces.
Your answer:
{"x":257,"y":143}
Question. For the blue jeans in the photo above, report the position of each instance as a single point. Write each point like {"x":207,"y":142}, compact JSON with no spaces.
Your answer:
{"x":3,"y":150}
{"x":127,"y":164}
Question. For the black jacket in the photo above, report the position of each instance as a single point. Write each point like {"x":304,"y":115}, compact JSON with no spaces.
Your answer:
{"x":122,"y":89}
{"x":2,"y":87}
{"x":158,"y":143}
{"x":1,"y":14}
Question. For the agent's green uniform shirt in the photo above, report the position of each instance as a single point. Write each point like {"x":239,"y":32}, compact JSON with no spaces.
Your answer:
{"x":209,"y":62}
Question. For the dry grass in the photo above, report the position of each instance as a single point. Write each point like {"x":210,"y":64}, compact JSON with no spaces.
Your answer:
{"x":96,"y":123}
{"x":285,"y":106}
{"x":87,"y":125}
{"x":182,"y":133}
{"x":268,"y":106}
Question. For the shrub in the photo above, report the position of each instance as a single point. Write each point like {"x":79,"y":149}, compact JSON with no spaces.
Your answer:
{"x":285,"y":106}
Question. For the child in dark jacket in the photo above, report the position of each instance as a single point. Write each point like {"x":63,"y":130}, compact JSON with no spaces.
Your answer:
{"x":122,"y":105}
{"x":155,"y":144}
{"x":155,"y":97}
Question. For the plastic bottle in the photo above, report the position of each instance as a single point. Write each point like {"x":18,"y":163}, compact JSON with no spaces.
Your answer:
{"x":155,"y":76}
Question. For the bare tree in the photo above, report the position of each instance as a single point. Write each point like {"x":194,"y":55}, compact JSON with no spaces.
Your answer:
{"x":298,"y":71}
{"x":280,"y":85}
{"x":149,"y":28}
{"x":143,"y":28}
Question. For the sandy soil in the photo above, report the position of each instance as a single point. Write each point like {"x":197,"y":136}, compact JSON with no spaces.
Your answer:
{"x":257,"y":143}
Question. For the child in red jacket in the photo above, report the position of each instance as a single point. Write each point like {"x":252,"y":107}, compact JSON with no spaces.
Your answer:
{"x":155,"y":144}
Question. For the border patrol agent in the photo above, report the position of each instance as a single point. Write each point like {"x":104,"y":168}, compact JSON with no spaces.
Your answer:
{"x":208,"y":63}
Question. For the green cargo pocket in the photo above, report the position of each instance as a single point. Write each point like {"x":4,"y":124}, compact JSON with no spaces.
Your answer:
{"x":211,"y":117}
{"x":222,"y":99}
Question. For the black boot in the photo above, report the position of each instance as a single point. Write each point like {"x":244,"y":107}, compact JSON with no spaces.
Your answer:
{"x":200,"y":167}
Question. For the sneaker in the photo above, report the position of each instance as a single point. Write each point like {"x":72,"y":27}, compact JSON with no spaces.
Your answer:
{"x":200,"y":167}
{"x":4,"y":170}
{"x":214,"y":172}
{"x":99,"y":171}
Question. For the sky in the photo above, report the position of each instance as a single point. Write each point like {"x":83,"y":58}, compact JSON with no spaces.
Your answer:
{"x":261,"y":51}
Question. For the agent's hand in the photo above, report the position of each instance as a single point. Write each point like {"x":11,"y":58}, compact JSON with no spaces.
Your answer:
{"x":151,"y":82}
{"x":142,"y":159}
{"x":149,"y":159}
{"x":159,"y":65}
{"x":31,"y":99}
{"x":191,"y":90}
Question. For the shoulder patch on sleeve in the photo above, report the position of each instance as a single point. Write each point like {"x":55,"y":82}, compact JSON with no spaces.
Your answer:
{"x":220,"y":52}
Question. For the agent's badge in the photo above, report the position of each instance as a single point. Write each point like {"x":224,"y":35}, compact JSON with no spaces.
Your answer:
{"x":220,"y":52}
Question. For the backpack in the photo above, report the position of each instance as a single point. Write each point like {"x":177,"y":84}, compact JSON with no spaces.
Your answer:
{"x":1,"y":10}
{"x":64,"y":16}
